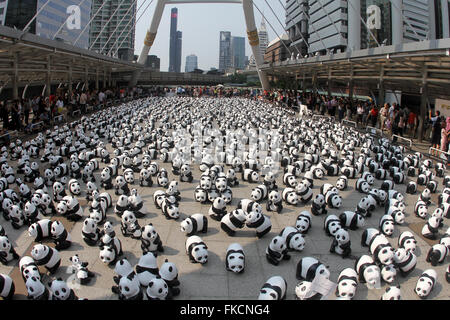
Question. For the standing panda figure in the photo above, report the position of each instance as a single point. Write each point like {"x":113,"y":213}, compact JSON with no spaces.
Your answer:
{"x":197,"y":250}
{"x":60,"y":236}
{"x":170,"y":210}
{"x":7,"y":252}
{"x":195,"y":223}
{"x":46,"y":256}
{"x":269,"y":181}
{"x":318,"y":207}
{"x":405,"y":261}
{"x":169,"y":273}
{"x":40,"y":230}
{"x":36,"y":290}
{"x":347,"y":283}
{"x":232,"y":221}
{"x":431,"y":229}
{"x":235,"y":258}
{"x":273,"y":289}
{"x":274,"y":202}
{"x":308,"y":268}
{"x":341,"y":243}
{"x":130,"y":226}
{"x":437,"y":254}
{"x":277,"y":251}
{"x":90,"y":232}
{"x":368,"y":271}
{"x":331,"y":225}
{"x":150,"y":240}
{"x":61,"y":291}
{"x":426,"y":283}
{"x":362,"y":185}
{"x":121,"y":186}
{"x":7,"y":287}
{"x":260,"y":222}
{"x":218,"y":209}
{"x":351,"y":220}
{"x":294,"y":238}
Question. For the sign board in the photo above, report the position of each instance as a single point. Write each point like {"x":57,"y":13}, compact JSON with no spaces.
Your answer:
{"x":373,"y":17}
{"x":443,"y":106}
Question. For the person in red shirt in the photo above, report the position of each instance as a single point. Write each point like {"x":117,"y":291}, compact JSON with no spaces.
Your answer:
{"x":412,"y":122}
{"x":373,"y":115}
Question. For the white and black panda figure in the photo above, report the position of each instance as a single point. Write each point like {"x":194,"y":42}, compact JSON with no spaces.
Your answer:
{"x":90,"y":232}
{"x":259,"y":193}
{"x":387,"y":185}
{"x":388,"y":273}
{"x":304,"y":192}
{"x":270,"y":181}
{"x":290,"y":196}
{"x":90,"y":188}
{"x":59,"y":191}
{"x":233,"y":221}
{"x":399,"y":178}
{"x":150,"y":240}
{"x":308,"y":268}
{"x":405,"y":261}
{"x":351,"y":220}
{"x":331,"y":225}
{"x":130,"y":226}
{"x":60,"y":290}
{"x":145,"y":178}
{"x":407,"y":241}
{"x":303,"y":222}
{"x":362,"y":185}
{"x":431,"y":229}
{"x":197,"y":250}
{"x":349,"y":172}
{"x":110,"y":247}
{"x":36,"y":290}
{"x":235,"y":258}
{"x":341,"y":243}
{"x":170,"y":210}
{"x":379,"y":246}
{"x":425,"y":283}
{"x":16,"y":217}
{"x":411,"y":188}
{"x":425,"y":196}
{"x":169,"y":273}
{"x":437,"y":254}
{"x":186,"y":173}
{"x":121,"y":186}
{"x":289,"y":180}
{"x":447,"y":274}
{"x":386,"y":225}
{"x":172,"y":190}
{"x":422,"y":179}
{"x":232,"y":180}
{"x":121,"y":205}
{"x":318,"y":206}
{"x":368,"y":271}
{"x":294,"y":238}
{"x":7,"y":252}
{"x":25,"y":192}
{"x":46,"y":256}
{"x":60,"y":236}
{"x":227,"y":195}
{"x":260,"y":222}
{"x":249,"y":205}
{"x":74,"y":187}
{"x":31,"y":213}
{"x":333,"y":199}
{"x":250,"y":175}
{"x":136,"y":204}
{"x":347,"y":284}
{"x":40,"y":230}
{"x":70,"y":208}
{"x":28,"y":268}
{"x":106,"y":179}
{"x":342,"y":183}
{"x":274,"y":202}
{"x":129,"y":288}
{"x":392,"y":293}
{"x":421,"y":209}
{"x":147,"y":268}
{"x":194,"y":224}
{"x":273,"y":289}
{"x":158,"y":289}
{"x":7,"y":287}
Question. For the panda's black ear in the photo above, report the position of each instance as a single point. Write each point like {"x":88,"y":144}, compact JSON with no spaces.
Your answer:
{"x":59,"y":279}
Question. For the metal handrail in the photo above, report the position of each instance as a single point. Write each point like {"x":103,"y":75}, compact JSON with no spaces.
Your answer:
{"x":402,"y":138}
{"x":374,"y":130}
{"x":344,"y":122}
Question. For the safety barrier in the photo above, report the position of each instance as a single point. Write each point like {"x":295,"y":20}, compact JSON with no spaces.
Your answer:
{"x":323,"y":117}
{"x":76,"y":112}
{"x":374,"y":131}
{"x":349,"y":123}
{"x":441,"y":154}
{"x":402,"y":139}
{"x":37,"y":126}
{"x":89,"y":108}
{"x":58,"y":119}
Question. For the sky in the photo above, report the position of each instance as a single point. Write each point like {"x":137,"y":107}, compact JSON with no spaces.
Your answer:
{"x":201,"y":25}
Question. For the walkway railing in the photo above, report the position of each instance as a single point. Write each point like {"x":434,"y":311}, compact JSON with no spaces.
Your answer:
{"x":322,"y":117}
{"x":441,"y":154}
{"x":374,"y":131}
{"x":349,"y":123}
{"x":402,"y":139}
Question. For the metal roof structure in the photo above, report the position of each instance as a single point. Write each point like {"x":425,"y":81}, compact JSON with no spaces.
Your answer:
{"x":407,"y":67}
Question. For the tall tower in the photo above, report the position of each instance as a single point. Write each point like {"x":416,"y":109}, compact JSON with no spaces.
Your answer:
{"x":175,"y":43}
{"x":225,"y":58}
{"x":263,"y":37}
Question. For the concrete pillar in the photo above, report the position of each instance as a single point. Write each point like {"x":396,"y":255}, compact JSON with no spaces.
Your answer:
{"x":97,"y":85}
{"x":15,"y":77}
{"x":350,"y":91}
{"x":445,"y":20}
{"x":69,"y":80}
{"x":397,"y":21}
{"x":381,"y":94}
{"x":253,"y":39}
{"x":105,"y":84}
{"x":86,"y":78}
{"x":423,"y":111}
{"x":48,"y":78}
{"x":354,"y":25}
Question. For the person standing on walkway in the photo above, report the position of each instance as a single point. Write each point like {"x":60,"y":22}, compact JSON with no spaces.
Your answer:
{"x":360,"y":114}
{"x":26,"y":110}
{"x":444,"y":135}
{"x":436,"y":137}
{"x":4,"y":114}
{"x":83,"y":101}
{"x":384,"y":112}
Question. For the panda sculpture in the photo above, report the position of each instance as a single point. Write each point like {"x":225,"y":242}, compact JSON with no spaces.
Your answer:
{"x":318,"y":206}
{"x":7,"y":252}
{"x":233,"y":221}
{"x":194,"y":224}
{"x":130,"y":226}
{"x":40,"y":230}
{"x":289,"y":196}
{"x":347,"y":284}
{"x":341,"y":243}
{"x":437,"y":254}
{"x":407,"y":241}
{"x":431,"y":229}
{"x":235,"y":258}
{"x":368,"y":271}
{"x":331,"y":225}
{"x":60,"y":290}
{"x":277,"y":251}
{"x":392,"y":293}
{"x":386,"y":225}
{"x":218,"y":209}
{"x":7,"y":287}
{"x":60,"y":236}
{"x":274,"y":202}
{"x":294,"y":239}
{"x":308,"y":268}
{"x":260,"y":222}
{"x":90,"y":232}
{"x":150,"y":240}
{"x":29,"y":268}
{"x":351,"y":220}
{"x":304,"y":193}
{"x":197,"y":250}
{"x":46,"y":256}
{"x":147,"y":268}
{"x":36,"y":290}
{"x":425,"y":283}
{"x":259,"y":193}
{"x":273,"y":289}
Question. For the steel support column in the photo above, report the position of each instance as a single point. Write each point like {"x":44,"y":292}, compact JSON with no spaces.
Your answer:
{"x":15,"y":77}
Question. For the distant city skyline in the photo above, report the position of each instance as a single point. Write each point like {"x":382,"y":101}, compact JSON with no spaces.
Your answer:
{"x":201,"y":25}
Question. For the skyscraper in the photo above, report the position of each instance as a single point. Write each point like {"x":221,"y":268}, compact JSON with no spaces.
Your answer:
{"x":53,"y":17}
{"x":175,"y":43}
{"x":117,"y":36}
{"x":263,"y":42}
{"x":191,"y":63}
{"x":225,"y":51}
{"x":238,"y":52}
{"x":297,"y":23}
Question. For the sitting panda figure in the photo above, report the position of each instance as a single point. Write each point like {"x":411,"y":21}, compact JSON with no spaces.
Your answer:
{"x":232,"y":221}
{"x":347,"y":284}
{"x":407,"y":241}
{"x":333,"y":200}
{"x":145,"y":178}
{"x":7,"y":287}
{"x":158,"y":289}
{"x":106,"y":179}
{"x":46,"y":256}
{"x":60,"y":236}
{"x":260,"y":222}
{"x":332,"y":225}
{"x":425,"y":283}
{"x":318,"y":206}
{"x":405,"y":261}
{"x":74,"y":187}
{"x":194,"y":223}
{"x":128,"y":175}
{"x":273,"y":289}
{"x":90,"y":188}
{"x":274,"y":202}
{"x":7,"y":252}
{"x":28,"y":268}
{"x":90,"y":232}
{"x":197,"y":250}
{"x":235,"y":258}
{"x":172,"y":190}
{"x":303,"y":222}
{"x":150,"y":240}
{"x":129,"y":288}
{"x":421,"y":209}
{"x":121,"y":205}
{"x":386,"y":225}
{"x":269,"y":181}
{"x":362,"y":185}
{"x":170,"y":210}
{"x":250,"y":175}
{"x":61,"y":291}
{"x":121,"y":186}
{"x":341,"y":243}
{"x":147,"y":268}
{"x":368,"y":271}
{"x":308,"y":268}
{"x":217,"y":209}
{"x":130,"y":226}
{"x":232,"y":180}
{"x":162,"y":178}
{"x":58,"y":191}
{"x":31,"y":213}
{"x":392,"y":293}
{"x":294,"y":238}
{"x":259,"y":193}
{"x":289,"y":196}
{"x":425,"y":196}
{"x":304,"y":193}
{"x":411,"y":188}
{"x":186,"y":173}
{"x":277,"y":251}
{"x":16,"y":216}
{"x":136,"y":204}
{"x":437,"y":254}
{"x":36,"y":290}
{"x":431,"y":229}
{"x":289,"y":180}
